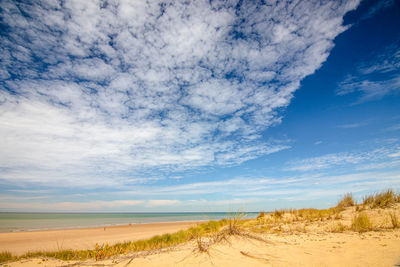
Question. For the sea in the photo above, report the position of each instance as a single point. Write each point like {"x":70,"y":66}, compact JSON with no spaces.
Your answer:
{"x":24,"y":221}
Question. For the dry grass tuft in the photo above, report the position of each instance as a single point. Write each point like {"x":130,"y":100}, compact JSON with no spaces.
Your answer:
{"x":346,"y":201}
{"x":338,"y":228}
{"x":361,"y":223}
{"x":261,"y":215}
{"x":278,"y":214}
{"x":6,"y":256}
{"x":394,"y":220}
{"x":384,"y":199}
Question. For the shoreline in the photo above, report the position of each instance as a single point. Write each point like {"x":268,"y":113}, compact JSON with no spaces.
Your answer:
{"x":19,"y":243}
{"x":98,"y":226}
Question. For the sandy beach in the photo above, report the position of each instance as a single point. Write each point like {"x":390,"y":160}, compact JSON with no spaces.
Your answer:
{"x":347,"y":235}
{"x":22,"y":242}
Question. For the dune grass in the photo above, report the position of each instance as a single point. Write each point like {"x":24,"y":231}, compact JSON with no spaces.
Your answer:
{"x":384,"y":199}
{"x":394,"y":220}
{"x":338,"y":228}
{"x":6,"y":256}
{"x":346,"y":201}
{"x":362,"y":223}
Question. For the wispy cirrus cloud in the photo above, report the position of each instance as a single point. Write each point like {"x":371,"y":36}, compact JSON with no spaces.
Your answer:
{"x":375,"y":78}
{"x":95,"y":92}
{"x":350,"y":125}
{"x":359,"y":160}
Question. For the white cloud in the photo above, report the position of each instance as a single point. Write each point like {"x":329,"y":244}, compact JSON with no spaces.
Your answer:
{"x":96,"y":92}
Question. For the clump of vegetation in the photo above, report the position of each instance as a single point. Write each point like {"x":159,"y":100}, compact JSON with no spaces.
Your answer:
{"x":384,"y":199}
{"x":338,"y":228}
{"x":362,"y":223}
{"x":394,"y":220}
{"x":278,"y":214}
{"x":368,"y":200}
{"x":6,"y":256}
{"x":261,"y":215}
{"x":346,"y":201}
{"x":315,"y":214}
{"x":234,"y":224}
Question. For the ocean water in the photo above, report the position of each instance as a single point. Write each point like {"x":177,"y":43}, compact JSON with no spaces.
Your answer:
{"x":21,"y":221}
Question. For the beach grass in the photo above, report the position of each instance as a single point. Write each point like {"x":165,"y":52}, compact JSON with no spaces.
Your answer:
{"x":394,"y":220}
{"x":383,"y":199}
{"x":346,"y":201}
{"x":362,"y":223}
{"x":6,"y":256}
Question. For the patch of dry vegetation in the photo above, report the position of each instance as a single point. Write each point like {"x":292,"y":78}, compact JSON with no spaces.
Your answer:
{"x":338,"y":228}
{"x":383,"y":199}
{"x":6,"y":256}
{"x":362,"y":223}
{"x":346,"y":201}
{"x":394,"y":220}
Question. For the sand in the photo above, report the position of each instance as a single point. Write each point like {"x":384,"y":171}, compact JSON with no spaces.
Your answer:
{"x":22,"y":242}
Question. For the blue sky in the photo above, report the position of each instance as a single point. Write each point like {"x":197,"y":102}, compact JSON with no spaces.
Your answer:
{"x":197,"y":105}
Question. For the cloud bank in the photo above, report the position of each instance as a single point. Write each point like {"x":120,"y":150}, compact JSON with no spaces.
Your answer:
{"x":98,"y":92}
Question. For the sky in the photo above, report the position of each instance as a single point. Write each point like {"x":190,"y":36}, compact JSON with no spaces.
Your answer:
{"x":133,"y":106}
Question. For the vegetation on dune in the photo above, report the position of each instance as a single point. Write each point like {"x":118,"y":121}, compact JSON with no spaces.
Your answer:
{"x":280,"y":221}
{"x":346,"y":201}
{"x":383,"y":199}
{"x":362,"y":223}
{"x":6,"y":256}
{"x":394,"y":220}
{"x":338,"y":228}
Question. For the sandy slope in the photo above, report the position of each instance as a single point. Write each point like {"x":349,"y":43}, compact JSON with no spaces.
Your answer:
{"x":341,"y":249}
{"x":21,"y":242}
